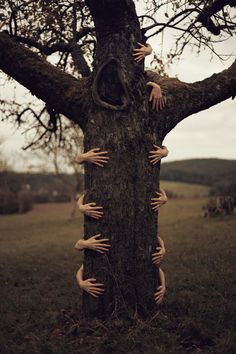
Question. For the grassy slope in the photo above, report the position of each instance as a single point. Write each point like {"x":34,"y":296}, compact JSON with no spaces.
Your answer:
{"x":186,"y":190}
{"x":40,"y":301}
{"x":203,"y":171}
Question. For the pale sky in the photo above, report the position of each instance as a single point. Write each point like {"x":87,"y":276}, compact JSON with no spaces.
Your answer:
{"x":210,"y":133}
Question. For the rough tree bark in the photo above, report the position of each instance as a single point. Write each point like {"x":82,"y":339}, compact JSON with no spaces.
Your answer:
{"x":112,"y":108}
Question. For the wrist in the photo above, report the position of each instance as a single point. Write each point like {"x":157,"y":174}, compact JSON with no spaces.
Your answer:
{"x":164,"y":152}
{"x":80,"y":245}
{"x":79,"y":158}
{"x":149,"y":48}
{"x":81,"y":283}
{"x":153,"y":84}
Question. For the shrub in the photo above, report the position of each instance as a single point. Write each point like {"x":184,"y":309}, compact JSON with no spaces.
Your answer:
{"x":8,"y":203}
{"x":11,"y":203}
{"x":25,"y":201}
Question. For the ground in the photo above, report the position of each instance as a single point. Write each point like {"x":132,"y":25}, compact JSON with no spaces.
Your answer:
{"x":40,"y":301}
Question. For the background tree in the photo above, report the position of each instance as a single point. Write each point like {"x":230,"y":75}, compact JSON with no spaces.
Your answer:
{"x":108,"y":99}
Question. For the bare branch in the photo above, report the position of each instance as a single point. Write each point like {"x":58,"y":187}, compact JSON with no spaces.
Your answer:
{"x":185,"y":99}
{"x":208,"y":11}
{"x":48,"y":83}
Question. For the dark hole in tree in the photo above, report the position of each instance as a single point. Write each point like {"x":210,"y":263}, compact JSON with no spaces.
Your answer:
{"x":110,"y":88}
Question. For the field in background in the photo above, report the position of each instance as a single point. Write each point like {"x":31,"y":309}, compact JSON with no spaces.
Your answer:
{"x":40,"y":301}
{"x":186,"y":190}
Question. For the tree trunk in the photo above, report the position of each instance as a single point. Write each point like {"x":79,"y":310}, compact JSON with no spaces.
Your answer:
{"x":119,"y":123}
{"x":111,"y":107}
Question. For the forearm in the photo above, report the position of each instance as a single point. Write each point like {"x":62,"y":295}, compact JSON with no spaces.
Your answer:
{"x":152,"y":84}
{"x":80,"y":274}
{"x":81,"y":201}
{"x":161,"y":242}
{"x":162,"y":277}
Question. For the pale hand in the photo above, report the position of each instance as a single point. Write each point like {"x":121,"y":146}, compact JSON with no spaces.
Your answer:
{"x":91,"y":287}
{"x":94,"y":243}
{"x":161,"y":251}
{"x":161,"y":290}
{"x":156,"y":97}
{"x":157,"y":154}
{"x":159,"y":200}
{"x":90,"y":209}
{"x":140,"y":53}
{"x":159,"y":295}
{"x":95,"y":156}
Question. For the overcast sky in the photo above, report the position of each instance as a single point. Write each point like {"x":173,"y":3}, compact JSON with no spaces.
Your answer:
{"x":210,"y":133}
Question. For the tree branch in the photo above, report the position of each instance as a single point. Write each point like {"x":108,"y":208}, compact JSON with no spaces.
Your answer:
{"x":59,"y":90}
{"x":184,"y":99}
{"x":205,"y":16}
{"x":56,"y":47}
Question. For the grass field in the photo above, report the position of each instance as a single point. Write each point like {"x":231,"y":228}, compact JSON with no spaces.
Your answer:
{"x":40,"y":301}
{"x":186,"y":190}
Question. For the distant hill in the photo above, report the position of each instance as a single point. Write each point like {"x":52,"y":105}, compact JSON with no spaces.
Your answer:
{"x":14,"y":181}
{"x":218,"y":174}
{"x":200,"y":171}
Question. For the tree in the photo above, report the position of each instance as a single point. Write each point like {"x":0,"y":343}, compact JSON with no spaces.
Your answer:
{"x":110,"y":104}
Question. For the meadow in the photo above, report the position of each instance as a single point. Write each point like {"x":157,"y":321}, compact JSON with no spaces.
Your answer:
{"x":40,"y":301}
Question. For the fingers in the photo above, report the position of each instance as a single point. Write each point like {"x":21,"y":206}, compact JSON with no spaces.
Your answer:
{"x":159,"y":249}
{"x":156,"y":207}
{"x":156,"y":262}
{"x":104,"y":240}
{"x":141,"y":45}
{"x":94,"y":289}
{"x":159,"y":194}
{"x":94,"y":293}
{"x":98,"y":157}
{"x":161,"y":103}
{"x":156,"y":258}
{"x":93,"y":206}
{"x":155,"y":155}
{"x":100,"y":153}
{"x":138,"y":57}
{"x":151,"y":96}
{"x":102,"y":250}
{"x":94,"y":212}
{"x":98,"y":164}
{"x":157,"y":104}
{"x":95,"y":216}
{"x":154,"y":160}
{"x":154,"y":103}
{"x":159,"y":300}
{"x":97,"y":285}
{"x":101,"y":161}
{"x":159,"y":295}
{"x":96,"y":236}
{"x":156,"y":201}
{"x":102,"y":246}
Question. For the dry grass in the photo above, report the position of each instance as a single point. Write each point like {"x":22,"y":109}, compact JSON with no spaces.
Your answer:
{"x":40,"y":300}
